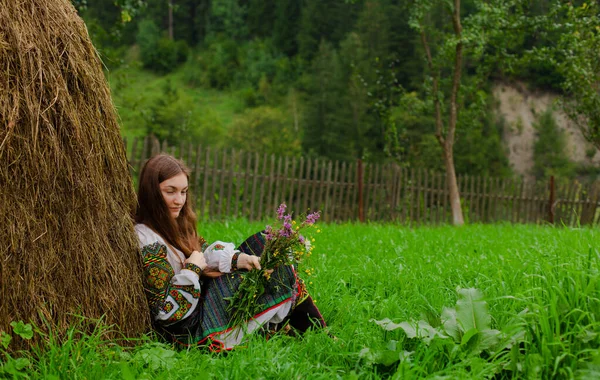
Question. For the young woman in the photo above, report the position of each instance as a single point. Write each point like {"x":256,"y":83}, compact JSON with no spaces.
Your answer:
{"x":186,"y":286}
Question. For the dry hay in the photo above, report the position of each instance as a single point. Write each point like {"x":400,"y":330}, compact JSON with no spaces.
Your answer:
{"x":67,"y":244}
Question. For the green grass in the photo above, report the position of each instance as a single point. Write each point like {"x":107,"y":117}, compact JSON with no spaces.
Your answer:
{"x":365,"y":272}
{"x":135,"y":91}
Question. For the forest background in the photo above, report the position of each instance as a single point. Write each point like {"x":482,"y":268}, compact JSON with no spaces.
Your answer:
{"x":335,"y":79}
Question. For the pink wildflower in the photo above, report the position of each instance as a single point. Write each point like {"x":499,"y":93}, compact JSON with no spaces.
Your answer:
{"x":312,"y":218}
{"x":281,"y":210}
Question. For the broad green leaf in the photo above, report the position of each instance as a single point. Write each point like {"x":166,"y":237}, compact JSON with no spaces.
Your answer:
{"x":5,"y":339}
{"x":24,"y":330}
{"x":405,"y":356}
{"x":387,"y":324}
{"x":387,"y":357}
{"x":392,"y":345}
{"x":475,"y":341}
{"x":489,"y":339}
{"x":420,"y":329}
{"x":471,"y":310}
{"x":365,"y":353}
{"x":21,"y":363}
{"x":156,"y":358}
{"x":469,"y":337}
{"x":587,"y":335}
{"x":15,"y":367}
{"x":450,"y":324}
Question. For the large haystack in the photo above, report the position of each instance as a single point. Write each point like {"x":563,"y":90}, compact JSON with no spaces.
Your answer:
{"x":67,"y":244}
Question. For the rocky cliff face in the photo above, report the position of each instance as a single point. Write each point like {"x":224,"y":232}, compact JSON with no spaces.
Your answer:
{"x":520,"y":108}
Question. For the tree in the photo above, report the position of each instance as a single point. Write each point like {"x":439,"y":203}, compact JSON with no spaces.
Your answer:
{"x":326,"y":122}
{"x":550,"y":149}
{"x":170,"y":23}
{"x":261,"y":16}
{"x":445,"y":130}
{"x":451,"y":46}
{"x":577,"y":59}
{"x":286,"y":26}
{"x":328,"y":20}
{"x":229,"y":18}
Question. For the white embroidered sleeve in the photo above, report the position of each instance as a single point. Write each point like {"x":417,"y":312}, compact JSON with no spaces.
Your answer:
{"x":218,"y":256}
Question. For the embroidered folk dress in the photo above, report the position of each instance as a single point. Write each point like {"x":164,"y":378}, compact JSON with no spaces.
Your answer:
{"x":190,"y":310}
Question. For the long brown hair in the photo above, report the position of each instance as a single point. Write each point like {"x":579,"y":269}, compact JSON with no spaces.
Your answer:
{"x":153,"y":211}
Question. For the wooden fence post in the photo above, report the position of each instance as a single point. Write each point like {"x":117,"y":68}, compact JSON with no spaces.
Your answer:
{"x":551,"y":201}
{"x":361,"y":211}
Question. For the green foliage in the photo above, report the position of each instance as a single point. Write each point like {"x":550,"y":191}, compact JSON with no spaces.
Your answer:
{"x":228,"y":17}
{"x":462,"y":333}
{"x":171,"y":117}
{"x":159,"y":53}
{"x":549,"y":150}
{"x":24,"y":330}
{"x":14,"y":367}
{"x":220,"y":62}
{"x":578,"y":61}
{"x":258,"y":60}
{"x":287,"y":26}
{"x":263,"y":50}
{"x":260,"y":17}
{"x":479,"y":149}
{"x":169,"y":108}
{"x":265,"y":129}
{"x":327,"y":20}
{"x":326,"y":124}
{"x":562,"y":54}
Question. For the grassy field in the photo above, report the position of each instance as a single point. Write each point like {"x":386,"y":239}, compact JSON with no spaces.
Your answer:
{"x":534,"y":315}
{"x":136,"y":93}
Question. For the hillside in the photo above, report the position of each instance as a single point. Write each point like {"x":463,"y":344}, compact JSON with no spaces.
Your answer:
{"x":520,"y":108}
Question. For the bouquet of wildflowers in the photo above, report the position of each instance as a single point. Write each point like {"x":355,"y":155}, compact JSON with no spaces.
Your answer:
{"x":284,"y":245}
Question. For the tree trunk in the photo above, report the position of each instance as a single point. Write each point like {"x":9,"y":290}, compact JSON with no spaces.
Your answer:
{"x":457,"y":215}
{"x":170,"y":19}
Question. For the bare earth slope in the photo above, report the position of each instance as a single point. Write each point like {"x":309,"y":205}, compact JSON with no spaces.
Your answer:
{"x":520,"y":109}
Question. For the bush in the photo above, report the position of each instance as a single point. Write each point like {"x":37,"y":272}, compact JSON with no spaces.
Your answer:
{"x":159,"y":53}
{"x":549,"y":151}
{"x":220,"y":62}
{"x":250,"y":67}
{"x":173,"y":117}
{"x":194,"y":72}
{"x":257,"y":59}
{"x":268,"y":130}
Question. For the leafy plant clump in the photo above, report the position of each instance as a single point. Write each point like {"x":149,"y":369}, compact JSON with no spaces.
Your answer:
{"x":463,"y":334}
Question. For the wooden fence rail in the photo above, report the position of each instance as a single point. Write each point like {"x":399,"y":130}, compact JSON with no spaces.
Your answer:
{"x":233,"y":183}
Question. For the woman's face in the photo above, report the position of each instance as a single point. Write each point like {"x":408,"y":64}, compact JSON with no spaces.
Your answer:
{"x":174,"y":192}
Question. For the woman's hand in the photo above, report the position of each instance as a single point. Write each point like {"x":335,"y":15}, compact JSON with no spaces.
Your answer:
{"x":249,"y":262}
{"x":197,"y":258}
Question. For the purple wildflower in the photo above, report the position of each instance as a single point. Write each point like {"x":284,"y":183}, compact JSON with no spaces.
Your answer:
{"x":301,"y":239}
{"x":270,"y":235}
{"x":281,"y":210}
{"x":312,"y":218}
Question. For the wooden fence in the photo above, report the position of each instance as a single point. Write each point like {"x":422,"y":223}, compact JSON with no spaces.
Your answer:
{"x":233,"y":183}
